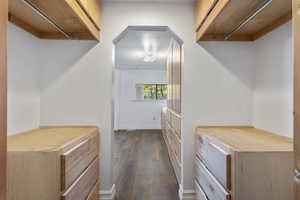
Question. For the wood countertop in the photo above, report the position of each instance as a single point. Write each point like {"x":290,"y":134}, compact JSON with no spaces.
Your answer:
{"x":247,"y":139}
{"x":48,"y":138}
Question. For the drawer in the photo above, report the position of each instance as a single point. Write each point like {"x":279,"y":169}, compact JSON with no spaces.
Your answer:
{"x":176,"y":124}
{"x":94,"y":192}
{"x":211,"y":187}
{"x":77,"y":159}
{"x":168,"y":116}
{"x":82,"y":187}
{"x":200,"y":195}
{"x":176,"y":166}
{"x":216,"y":160}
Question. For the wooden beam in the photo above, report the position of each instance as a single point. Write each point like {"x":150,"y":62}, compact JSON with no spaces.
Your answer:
{"x":282,"y":20}
{"x":3,"y":95}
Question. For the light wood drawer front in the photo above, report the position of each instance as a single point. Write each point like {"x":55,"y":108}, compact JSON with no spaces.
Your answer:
{"x":174,"y":143}
{"x":76,"y":160}
{"x":211,"y":187}
{"x":94,"y":192}
{"x":217,"y":161}
{"x":200,"y":195}
{"x":176,"y":124}
{"x":82,"y":187}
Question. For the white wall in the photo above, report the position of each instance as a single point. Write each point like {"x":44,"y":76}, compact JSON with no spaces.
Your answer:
{"x":273,"y":95}
{"x":24,"y":70}
{"x":77,"y":79}
{"x":131,"y":113}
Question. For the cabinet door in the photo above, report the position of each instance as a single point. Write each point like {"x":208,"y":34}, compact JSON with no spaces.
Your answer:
{"x":296,"y":29}
{"x":92,"y":9}
{"x":3,"y":95}
{"x":203,"y":7}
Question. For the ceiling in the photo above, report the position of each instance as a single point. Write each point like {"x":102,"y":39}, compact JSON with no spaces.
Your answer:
{"x":130,"y":48}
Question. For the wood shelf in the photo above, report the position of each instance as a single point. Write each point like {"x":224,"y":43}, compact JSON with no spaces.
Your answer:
{"x":228,"y":14}
{"x":68,"y":15}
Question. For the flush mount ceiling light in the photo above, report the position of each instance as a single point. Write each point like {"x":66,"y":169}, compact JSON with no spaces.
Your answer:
{"x":150,"y":48}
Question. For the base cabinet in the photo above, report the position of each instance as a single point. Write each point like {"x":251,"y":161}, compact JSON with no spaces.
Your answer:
{"x":243,"y":164}
{"x":54,"y":163}
{"x":172,"y":137}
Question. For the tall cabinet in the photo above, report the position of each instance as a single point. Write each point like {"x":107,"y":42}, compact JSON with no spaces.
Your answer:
{"x":171,"y":117}
{"x":296,"y":29}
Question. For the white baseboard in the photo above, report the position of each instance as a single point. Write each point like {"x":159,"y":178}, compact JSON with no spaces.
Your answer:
{"x":108,"y":194}
{"x":186,"y":194}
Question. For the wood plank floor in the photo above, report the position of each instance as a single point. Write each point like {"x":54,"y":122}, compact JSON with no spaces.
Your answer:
{"x":142,"y":167}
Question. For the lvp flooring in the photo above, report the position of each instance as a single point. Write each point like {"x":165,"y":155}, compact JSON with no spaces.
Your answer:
{"x":142,"y":169}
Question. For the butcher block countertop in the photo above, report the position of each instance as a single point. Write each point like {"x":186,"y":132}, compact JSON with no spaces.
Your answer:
{"x":247,"y":139}
{"x":49,"y":138}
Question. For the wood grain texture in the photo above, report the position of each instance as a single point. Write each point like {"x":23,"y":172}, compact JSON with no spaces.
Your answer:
{"x":202,"y":10}
{"x":77,"y":159}
{"x":92,"y":9}
{"x":264,"y":175}
{"x":217,"y":160}
{"x":248,"y":139}
{"x":34,"y":160}
{"x":142,"y":169}
{"x":227,"y":14}
{"x":261,"y":162}
{"x":82,"y":187}
{"x":211,"y":187}
{"x":172,"y":120}
{"x":174,"y":65}
{"x":210,"y":19}
{"x":49,"y":139}
{"x":33,"y":175}
{"x":66,"y":14}
{"x":296,"y":40}
{"x":3,"y":95}
{"x":94,"y":194}
{"x":172,"y":138}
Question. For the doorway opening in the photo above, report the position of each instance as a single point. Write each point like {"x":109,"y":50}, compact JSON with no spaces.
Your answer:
{"x":147,"y":89}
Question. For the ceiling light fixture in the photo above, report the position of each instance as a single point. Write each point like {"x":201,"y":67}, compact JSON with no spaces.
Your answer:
{"x":150,"y":49}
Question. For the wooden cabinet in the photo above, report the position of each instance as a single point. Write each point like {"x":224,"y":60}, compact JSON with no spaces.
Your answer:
{"x":57,"y":19}
{"x":171,"y":116}
{"x":54,"y":163}
{"x":243,"y":163}
{"x":174,"y":64}
{"x":296,"y":40}
{"x":172,"y":137}
{"x":234,"y":20}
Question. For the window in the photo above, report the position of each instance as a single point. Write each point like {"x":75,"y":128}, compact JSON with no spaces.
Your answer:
{"x":152,"y":91}
{"x":155,"y":91}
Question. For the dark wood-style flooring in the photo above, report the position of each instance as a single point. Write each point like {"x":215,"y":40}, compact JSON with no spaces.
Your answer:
{"x":142,"y":169}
